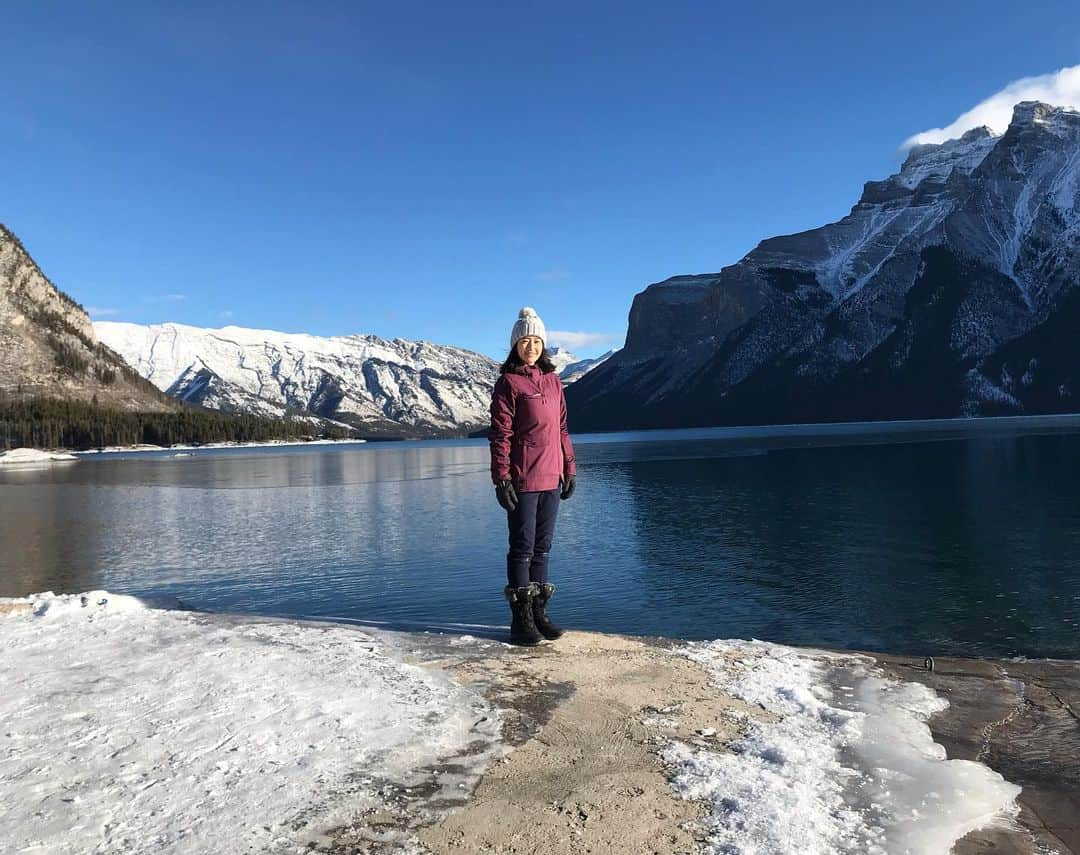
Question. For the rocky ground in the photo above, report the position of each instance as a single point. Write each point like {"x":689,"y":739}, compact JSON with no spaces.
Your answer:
{"x":585,"y":717}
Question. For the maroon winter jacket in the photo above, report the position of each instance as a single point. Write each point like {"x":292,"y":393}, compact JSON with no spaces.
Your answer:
{"x":529,"y":441}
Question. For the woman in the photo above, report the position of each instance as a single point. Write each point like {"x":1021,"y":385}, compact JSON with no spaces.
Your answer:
{"x":532,"y":467}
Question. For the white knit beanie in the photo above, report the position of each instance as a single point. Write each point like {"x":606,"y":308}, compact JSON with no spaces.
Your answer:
{"x":528,"y":323}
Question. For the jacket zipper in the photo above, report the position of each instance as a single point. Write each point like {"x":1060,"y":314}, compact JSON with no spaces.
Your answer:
{"x":539,"y":388}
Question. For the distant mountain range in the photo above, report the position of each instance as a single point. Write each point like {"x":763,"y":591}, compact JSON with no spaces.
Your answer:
{"x":952,"y":288}
{"x":571,"y":368}
{"x":48,"y":347}
{"x":49,"y":350}
{"x":379,"y":387}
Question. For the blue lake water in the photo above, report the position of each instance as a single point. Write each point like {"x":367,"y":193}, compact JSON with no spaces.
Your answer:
{"x":957,"y":539}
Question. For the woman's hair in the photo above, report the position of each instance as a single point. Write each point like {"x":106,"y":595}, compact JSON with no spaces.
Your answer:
{"x":544,"y":363}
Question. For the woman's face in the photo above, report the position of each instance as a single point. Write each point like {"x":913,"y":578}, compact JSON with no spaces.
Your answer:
{"x":529,"y":348}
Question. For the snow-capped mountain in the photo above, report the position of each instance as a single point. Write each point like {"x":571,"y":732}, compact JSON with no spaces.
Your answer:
{"x":561,"y":358}
{"x":952,"y":287}
{"x":389,"y":388}
{"x":570,"y":368}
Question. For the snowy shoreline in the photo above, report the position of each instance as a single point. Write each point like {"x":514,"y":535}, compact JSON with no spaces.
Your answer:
{"x":138,"y":729}
{"x":38,"y":456}
{"x":34,"y":457}
{"x":273,"y":443}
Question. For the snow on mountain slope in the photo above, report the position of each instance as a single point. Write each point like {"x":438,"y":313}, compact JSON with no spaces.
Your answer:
{"x":902,"y":210}
{"x":570,"y":368}
{"x":382,"y":387}
{"x":937,"y":162}
{"x":561,"y":358}
{"x":574,"y":371}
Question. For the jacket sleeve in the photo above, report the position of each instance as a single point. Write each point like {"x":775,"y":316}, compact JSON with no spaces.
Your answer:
{"x":502,"y":428}
{"x":567,"y":447}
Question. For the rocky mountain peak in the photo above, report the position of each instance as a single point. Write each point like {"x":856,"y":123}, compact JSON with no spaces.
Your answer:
{"x":48,"y":348}
{"x":1028,"y":113}
{"x":1040,"y":126}
{"x":934,"y":163}
{"x":938,"y":159}
{"x":29,"y":291}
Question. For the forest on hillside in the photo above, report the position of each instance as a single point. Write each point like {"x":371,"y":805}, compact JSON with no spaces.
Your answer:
{"x":49,"y":423}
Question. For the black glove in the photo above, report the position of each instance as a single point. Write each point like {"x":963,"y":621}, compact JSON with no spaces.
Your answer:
{"x":507,"y":495}
{"x":568,"y":483}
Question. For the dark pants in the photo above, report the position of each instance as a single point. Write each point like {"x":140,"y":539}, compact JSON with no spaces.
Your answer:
{"x":532,"y":525}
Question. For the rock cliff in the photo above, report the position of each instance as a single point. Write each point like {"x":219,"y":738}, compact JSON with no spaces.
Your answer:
{"x":48,"y":347}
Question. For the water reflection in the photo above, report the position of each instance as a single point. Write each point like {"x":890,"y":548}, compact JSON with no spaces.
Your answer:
{"x":964,"y":547}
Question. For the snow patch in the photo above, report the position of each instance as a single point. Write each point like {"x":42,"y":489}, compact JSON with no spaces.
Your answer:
{"x":849,"y":766}
{"x":979,"y":390}
{"x":33,"y":456}
{"x":136,"y":730}
{"x":571,"y":369}
{"x":936,"y":162}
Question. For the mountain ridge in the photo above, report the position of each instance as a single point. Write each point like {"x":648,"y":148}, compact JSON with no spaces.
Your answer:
{"x":964,"y":250}
{"x":380,"y":387}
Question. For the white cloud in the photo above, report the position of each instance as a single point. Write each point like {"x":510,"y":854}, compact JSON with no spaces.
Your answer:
{"x":1060,"y":89}
{"x":552,"y":276}
{"x":97,"y":312}
{"x":573,"y":341}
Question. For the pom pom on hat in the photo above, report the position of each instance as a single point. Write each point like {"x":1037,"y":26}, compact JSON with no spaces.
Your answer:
{"x":528,"y":323}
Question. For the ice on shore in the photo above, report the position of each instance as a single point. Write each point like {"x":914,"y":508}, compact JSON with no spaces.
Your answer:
{"x":33,"y":456}
{"x":135,"y":730}
{"x":847,"y":766}
{"x":269,"y":443}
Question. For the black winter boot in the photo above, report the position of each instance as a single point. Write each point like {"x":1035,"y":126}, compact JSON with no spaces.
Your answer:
{"x":522,"y":627}
{"x":540,"y":618}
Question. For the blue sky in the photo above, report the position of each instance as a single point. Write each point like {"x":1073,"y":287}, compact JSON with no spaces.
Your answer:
{"x":423,"y":169}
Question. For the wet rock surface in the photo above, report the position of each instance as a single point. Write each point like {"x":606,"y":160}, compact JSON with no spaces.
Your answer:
{"x":1021,"y":718}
